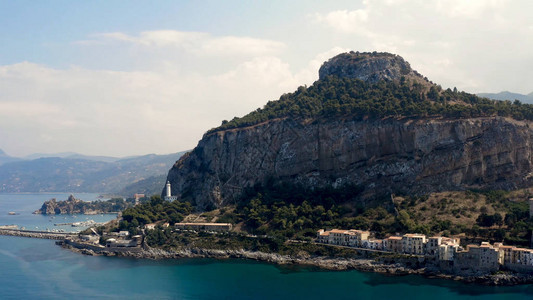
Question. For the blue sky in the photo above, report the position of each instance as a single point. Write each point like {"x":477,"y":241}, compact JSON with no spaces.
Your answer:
{"x":133,"y":77}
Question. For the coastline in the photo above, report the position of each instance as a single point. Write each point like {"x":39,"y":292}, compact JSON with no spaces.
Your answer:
{"x":324,"y":263}
{"x":321,"y":262}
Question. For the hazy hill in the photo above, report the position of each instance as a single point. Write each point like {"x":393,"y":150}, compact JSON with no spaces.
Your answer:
{"x":71,"y":155}
{"x":508,"y":96}
{"x":4,"y":158}
{"x":55,"y":174}
{"x":149,"y":186}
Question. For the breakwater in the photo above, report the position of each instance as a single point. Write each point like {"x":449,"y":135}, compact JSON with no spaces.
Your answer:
{"x":36,"y":234}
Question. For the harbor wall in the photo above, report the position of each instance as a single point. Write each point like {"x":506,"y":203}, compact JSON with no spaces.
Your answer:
{"x":36,"y":234}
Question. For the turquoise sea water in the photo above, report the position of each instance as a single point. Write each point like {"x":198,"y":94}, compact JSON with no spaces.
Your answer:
{"x":38,"y":269}
{"x":25,"y":204}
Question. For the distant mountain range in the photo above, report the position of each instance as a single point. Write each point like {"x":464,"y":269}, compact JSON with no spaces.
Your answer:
{"x":72,"y":172}
{"x":72,"y":155}
{"x":509,"y":96}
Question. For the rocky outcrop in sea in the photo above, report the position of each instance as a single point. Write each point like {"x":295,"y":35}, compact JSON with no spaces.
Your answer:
{"x":77,"y":206}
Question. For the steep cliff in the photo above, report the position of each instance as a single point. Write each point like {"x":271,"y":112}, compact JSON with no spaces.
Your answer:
{"x":394,"y":154}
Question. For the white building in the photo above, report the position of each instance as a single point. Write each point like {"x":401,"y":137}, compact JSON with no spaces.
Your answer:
{"x":373,"y":244}
{"x":393,"y":244}
{"x":322,"y":236}
{"x":414,"y":243}
{"x":168,"y":196}
{"x":356,"y":237}
{"x":447,"y":251}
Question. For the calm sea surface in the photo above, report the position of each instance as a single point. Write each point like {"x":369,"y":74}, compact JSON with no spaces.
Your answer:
{"x":25,"y":204}
{"x":38,"y":269}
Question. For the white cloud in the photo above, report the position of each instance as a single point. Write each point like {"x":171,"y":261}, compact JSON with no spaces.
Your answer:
{"x":478,"y":40}
{"x":232,"y":45}
{"x":468,"y":9}
{"x":27,"y":110}
{"x":199,"y":43}
{"x":160,"y":90}
{"x":346,"y":21}
{"x":134,"y":112}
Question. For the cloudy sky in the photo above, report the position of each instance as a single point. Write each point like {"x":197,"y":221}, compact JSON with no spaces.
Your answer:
{"x":124,"y":78}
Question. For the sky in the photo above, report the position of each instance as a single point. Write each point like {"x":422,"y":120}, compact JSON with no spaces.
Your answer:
{"x":120,"y":78}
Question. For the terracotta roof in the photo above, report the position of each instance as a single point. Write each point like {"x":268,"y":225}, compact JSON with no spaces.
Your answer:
{"x":414,"y":235}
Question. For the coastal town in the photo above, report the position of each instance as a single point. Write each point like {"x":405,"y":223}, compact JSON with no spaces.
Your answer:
{"x":445,"y":254}
{"x":446,"y":251}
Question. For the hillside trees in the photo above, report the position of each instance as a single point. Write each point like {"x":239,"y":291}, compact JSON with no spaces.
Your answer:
{"x":154,"y":210}
{"x":335,"y":97}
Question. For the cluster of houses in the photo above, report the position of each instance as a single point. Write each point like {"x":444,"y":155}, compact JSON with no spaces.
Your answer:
{"x":484,"y":257}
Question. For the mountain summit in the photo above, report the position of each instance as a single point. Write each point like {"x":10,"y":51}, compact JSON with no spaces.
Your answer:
{"x":369,"y":67}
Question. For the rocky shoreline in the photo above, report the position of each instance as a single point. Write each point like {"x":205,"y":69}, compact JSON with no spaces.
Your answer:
{"x":326,"y":263}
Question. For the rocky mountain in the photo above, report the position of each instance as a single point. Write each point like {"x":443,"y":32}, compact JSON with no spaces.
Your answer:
{"x":370,"y":121}
{"x":369,"y":67}
{"x":55,"y":174}
{"x":509,"y":96}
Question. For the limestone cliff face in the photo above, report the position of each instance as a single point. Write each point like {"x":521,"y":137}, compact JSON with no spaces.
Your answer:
{"x":384,"y":156}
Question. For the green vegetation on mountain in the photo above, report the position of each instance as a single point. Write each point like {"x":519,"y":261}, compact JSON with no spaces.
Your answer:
{"x":266,"y":217}
{"x":335,"y":97}
{"x":289,"y":212}
{"x":155,"y":210}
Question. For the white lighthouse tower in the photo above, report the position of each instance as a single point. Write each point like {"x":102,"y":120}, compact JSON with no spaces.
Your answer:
{"x":168,"y":196}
